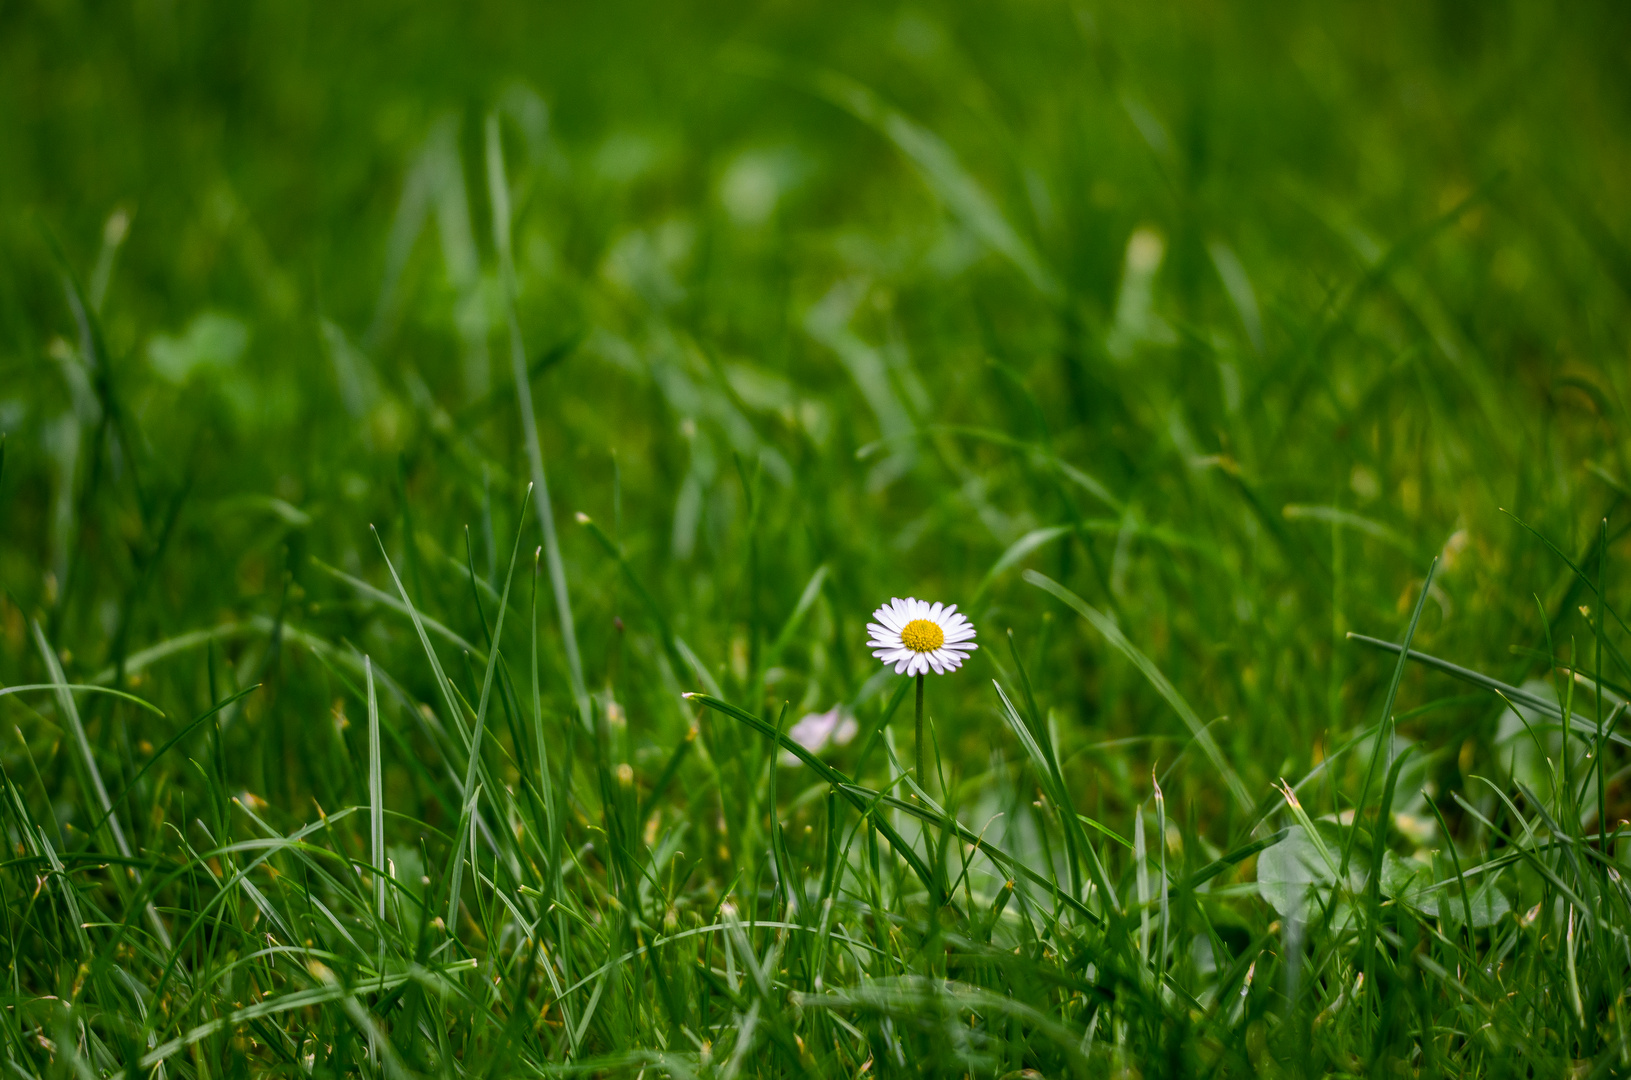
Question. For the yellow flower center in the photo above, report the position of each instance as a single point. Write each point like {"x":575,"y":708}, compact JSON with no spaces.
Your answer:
{"x":921,"y":635}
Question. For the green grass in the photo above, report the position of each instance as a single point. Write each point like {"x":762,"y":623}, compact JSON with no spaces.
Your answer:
{"x":365,"y":716}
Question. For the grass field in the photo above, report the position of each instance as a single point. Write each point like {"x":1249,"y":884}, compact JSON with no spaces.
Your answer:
{"x":451,"y":458}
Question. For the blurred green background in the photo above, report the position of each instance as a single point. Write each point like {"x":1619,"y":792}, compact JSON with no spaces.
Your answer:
{"x":1229,"y":316}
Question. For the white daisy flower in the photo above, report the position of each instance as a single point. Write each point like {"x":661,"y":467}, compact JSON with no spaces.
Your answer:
{"x":915,"y":636}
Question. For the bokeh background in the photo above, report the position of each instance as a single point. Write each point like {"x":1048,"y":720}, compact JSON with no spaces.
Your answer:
{"x":1230,"y":317}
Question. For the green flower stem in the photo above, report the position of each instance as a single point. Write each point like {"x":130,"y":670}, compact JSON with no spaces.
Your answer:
{"x":922,"y":775}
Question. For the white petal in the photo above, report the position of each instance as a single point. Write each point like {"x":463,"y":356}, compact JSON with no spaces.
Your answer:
{"x":887,"y":616}
{"x":900,"y":667}
{"x":934,"y":612}
{"x":814,"y":729}
{"x":933,"y":660}
{"x":960,"y":635}
{"x":951,"y":612}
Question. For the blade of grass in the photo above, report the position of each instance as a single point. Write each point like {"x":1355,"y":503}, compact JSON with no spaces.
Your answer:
{"x":498,"y":190}
{"x":160,"y":752}
{"x":455,"y":872}
{"x":70,"y":713}
{"x":1118,"y":640}
{"x":376,"y":794}
{"x":1384,"y":735}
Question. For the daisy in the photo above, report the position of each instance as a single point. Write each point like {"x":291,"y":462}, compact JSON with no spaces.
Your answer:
{"x":915,"y":636}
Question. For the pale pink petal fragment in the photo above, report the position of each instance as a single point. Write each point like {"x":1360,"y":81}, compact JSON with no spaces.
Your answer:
{"x":817,"y":731}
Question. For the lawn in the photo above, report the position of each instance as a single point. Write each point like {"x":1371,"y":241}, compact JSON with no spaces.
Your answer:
{"x":450,"y":458}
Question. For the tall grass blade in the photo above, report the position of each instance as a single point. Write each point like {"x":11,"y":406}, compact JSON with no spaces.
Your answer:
{"x":449,"y":700}
{"x":498,"y":188}
{"x":473,"y":767}
{"x":70,"y":713}
{"x":376,"y":795}
{"x":1116,"y":638}
{"x":1384,"y":736}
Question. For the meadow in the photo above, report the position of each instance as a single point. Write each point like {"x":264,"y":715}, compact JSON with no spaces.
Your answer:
{"x":450,"y":458}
